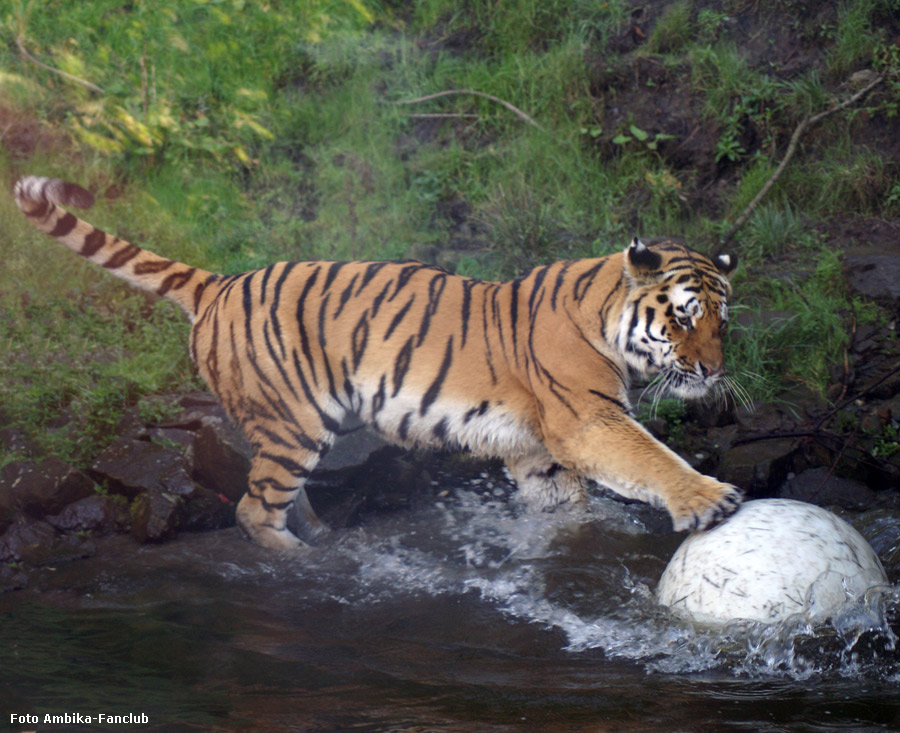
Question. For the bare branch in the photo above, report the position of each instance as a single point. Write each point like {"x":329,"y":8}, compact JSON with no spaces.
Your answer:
{"x":32,"y":59}
{"x":515,"y":110}
{"x":791,"y":149}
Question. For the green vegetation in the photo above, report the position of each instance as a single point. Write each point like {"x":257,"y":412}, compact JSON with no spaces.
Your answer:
{"x":231,"y":134}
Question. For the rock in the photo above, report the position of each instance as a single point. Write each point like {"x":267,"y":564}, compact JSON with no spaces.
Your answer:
{"x":352,"y":449}
{"x":155,"y":515}
{"x":816,"y":486}
{"x":758,"y":467}
{"x":40,"y":489}
{"x":874,"y":273}
{"x":172,"y":437}
{"x":133,"y":466}
{"x":221,"y":459}
{"x":207,"y":510}
{"x":91,"y":514}
{"x":31,"y":543}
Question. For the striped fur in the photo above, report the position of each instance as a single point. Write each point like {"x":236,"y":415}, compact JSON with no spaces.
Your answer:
{"x":534,"y":371}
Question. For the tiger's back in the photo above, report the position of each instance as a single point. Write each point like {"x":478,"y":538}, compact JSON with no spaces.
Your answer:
{"x":534,"y":371}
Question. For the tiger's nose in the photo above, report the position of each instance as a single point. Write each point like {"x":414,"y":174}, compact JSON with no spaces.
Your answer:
{"x":711,"y":370}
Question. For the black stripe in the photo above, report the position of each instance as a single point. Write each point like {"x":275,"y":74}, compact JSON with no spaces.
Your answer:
{"x":301,"y":326}
{"x":476,"y":411}
{"x":467,"y":286}
{"x":606,"y":397}
{"x":435,"y":389}
{"x":93,"y":242}
{"x":439,"y":431}
{"x":401,"y":365}
{"x":372,"y":269}
{"x":265,"y":283}
{"x":514,"y":316}
{"x":585,"y":279}
{"x":360,"y":339}
{"x":395,"y":321}
{"x":333,"y":270}
{"x":152,"y":268}
{"x":539,"y":276}
{"x":175,"y":281}
{"x":560,"y":277}
{"x":405,"y":274}
{"x":376,"y":302}
{"x":330,"y":424}
{"x":122,"y":257}
{"x":378,"y":398}
{"x":64,"y":225}
{"x":345,"y":296}
{"x":435,"y":291}
{"x":403,"y":430}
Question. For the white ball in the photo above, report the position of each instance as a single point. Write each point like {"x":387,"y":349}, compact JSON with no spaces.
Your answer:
{"x":771,"y":559}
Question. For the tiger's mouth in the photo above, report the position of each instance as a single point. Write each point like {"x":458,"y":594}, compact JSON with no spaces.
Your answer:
{"x":687,"y":385}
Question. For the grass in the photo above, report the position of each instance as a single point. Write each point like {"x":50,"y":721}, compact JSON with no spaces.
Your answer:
{"x":230,"y":150}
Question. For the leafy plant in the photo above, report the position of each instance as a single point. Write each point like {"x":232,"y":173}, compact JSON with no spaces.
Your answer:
{"x":636,"y":135}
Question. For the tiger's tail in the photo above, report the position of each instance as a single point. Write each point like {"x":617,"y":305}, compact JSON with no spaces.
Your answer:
{"x":41,"y":199}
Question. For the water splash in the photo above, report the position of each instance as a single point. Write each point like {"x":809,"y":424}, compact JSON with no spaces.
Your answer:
{"x":473,"y":543}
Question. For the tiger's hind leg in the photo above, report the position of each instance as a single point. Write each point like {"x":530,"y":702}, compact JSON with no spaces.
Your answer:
{"x":277,"y":478}
{"x":543,"y":483}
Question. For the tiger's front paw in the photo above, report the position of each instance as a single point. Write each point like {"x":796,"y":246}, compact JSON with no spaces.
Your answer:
{"x":704,"y":505}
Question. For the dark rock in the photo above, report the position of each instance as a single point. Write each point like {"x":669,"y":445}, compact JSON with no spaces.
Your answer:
{"x":817,"y":486}
{"x":133,"y":466}
{"x":31,"y":543}
{"x":874,"y":273}
{"x":759,"y":417}
{"x":352,"y":449}
{"x":758,"y":467}
{"x":12,"y":578}
{"x":207,"y":510}
{"x":172,"y":437}
{"x":156,"y":515}
{"x":91,"y":514}
{"x":39,"y":489}
{"x":221,"y":459}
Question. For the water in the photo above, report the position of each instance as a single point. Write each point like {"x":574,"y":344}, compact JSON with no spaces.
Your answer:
{"x":459,"y":615}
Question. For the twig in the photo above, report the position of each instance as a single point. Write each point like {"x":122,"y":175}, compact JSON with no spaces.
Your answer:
{"x":32,"y":59}
{"x":515,"y":110}
{"x":791,"y":149}
{"x":443,"y":116}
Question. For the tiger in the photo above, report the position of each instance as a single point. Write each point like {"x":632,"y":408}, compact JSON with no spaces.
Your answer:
{"x":534,"y":371}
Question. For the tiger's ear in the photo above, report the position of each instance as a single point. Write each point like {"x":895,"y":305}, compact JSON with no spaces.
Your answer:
{"x":725,"y":264}
{"x":640,"y":260}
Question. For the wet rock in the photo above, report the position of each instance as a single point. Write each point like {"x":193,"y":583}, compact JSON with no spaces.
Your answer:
{"x":12,"y":578}
{"x":352,"y":449}
{"x":818,"y":486}
{"x":221,"y":459}
{"x":134,"y":466}
{"x":874,"y":273}
{"x":91,"y":514}
{"x":40,"y":489}
{"x":156,"y":514}
{"x":30,"y":543}
{"x":176,"y":438}
{"x":206,"y":510}
{"x":759,"y":467}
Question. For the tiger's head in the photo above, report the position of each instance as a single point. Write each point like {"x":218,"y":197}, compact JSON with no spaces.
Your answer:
{"x":675,"y":315}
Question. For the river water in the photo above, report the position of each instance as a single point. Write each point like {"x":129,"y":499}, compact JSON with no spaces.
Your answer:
{"x":459,"y":615}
